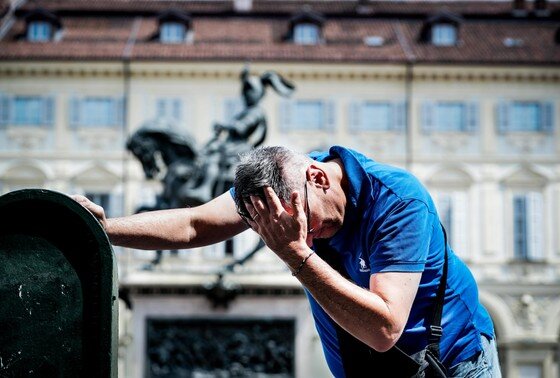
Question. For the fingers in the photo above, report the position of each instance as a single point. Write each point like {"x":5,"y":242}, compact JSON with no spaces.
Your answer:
{"x":92,"y":207}
{"x":273,"y":202}
{"x":259,"y":209}
{"x":78,"y":198}
{"x":297,"y":206}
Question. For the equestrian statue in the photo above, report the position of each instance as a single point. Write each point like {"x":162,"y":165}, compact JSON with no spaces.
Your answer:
{"x":192,"y":176}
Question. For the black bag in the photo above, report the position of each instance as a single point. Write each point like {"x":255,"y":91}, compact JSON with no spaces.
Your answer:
{"x":359,"y":360}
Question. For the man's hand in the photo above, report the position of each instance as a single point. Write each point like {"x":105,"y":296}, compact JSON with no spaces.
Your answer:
{"x":96,"y":210}
{"x":284,"y":233}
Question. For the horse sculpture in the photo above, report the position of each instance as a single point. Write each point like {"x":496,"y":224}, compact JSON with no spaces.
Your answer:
{"x":193,"y":176}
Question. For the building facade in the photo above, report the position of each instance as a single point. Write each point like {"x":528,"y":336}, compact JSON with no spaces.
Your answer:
{"x":463,"y":94}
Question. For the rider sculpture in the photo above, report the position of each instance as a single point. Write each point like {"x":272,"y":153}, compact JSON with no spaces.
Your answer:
{"x":194,"y":176}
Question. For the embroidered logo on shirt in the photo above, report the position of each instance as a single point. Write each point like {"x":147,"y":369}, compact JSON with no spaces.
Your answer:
{"x":363,"y":267}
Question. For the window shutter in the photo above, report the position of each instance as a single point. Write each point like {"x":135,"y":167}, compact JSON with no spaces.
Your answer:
{"x":4,"y":110}
{"x":75,"y":112}
{"x":399,"y":116}
{"x":48,"y":111}
{"x":428,"y":121}
{"x":460,"y":223}
{"x":330,"y":116}
{"x":355,"y":116}
{"x":177,"y":110}
{"x":520,"y":227}
{"x":535,"y":216}
{"x":547,"y":117}
{"x":286,"y":114}
{"x":119,"y":111}
{"x":472,"y":117}
{"x":502,"y":116}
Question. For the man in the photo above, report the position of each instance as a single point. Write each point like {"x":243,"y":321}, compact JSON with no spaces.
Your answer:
{"x":382,"y":255}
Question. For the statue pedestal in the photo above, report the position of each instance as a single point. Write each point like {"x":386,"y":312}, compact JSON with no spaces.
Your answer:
{"x":58,"y":285}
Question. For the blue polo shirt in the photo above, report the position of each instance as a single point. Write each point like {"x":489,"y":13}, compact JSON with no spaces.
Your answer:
{"x":391,"y":225}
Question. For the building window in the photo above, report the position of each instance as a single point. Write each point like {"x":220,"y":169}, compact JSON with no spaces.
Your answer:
{"x":307,"y":115}
{"x":444,"y":35}
{"x":452,"y":209}
{"x":96,"y":112}
{"x":32,"y":110}
{"x":449,"y":116}
{"x":306,"y":34}
{"x":26,"y":110}
{"x":377,"y":116}
{"x":525,"y":116}
{"x":528,"y":226}
{"x":169,"y":109}
{"x":173,"y":32}
{"x":39,"y":31}
{"x":310,"y":114}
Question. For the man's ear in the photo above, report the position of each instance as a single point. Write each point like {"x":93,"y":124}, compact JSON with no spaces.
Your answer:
{"x":317,"y":177}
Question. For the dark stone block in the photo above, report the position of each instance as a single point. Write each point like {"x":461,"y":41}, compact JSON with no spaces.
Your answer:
{"x":58,"y":285}
{"x":220,"y":348}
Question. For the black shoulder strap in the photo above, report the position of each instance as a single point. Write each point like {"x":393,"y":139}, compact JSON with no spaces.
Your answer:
{"x":435,"y":331}
{"x":357,"y":356}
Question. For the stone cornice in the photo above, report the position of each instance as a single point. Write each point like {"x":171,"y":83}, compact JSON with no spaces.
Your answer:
{"x":295,"y":71}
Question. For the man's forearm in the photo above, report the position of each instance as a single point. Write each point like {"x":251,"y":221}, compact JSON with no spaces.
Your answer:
{"x":193,"y":227}
{"x":163,"y":229}
{"x":359,"y":311}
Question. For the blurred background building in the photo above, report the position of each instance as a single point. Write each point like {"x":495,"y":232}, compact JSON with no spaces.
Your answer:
{"x":465,"y":94}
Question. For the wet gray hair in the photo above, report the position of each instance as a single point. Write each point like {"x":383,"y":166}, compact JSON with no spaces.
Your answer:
{"x":278,"y":167}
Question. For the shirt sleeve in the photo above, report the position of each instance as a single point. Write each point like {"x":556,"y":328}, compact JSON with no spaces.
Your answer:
{"x":402,"y":240}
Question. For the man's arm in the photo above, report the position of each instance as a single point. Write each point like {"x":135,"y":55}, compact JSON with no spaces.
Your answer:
{"x":376,"y":316}
{"x":210,"y":223}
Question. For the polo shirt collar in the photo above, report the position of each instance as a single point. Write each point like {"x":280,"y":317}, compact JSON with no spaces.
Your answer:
{"x":355,"y":172}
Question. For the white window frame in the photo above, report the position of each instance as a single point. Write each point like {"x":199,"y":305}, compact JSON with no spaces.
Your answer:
{"x":39,"y":31}
{"x":306,"y":33}
{"x":172,"y":32}
{"x":444,"y":34}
